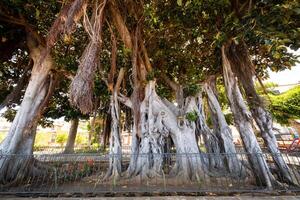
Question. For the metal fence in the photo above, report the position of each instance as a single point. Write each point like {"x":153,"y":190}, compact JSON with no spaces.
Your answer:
{"x":83,"y":174}
{"x":77,"y":149}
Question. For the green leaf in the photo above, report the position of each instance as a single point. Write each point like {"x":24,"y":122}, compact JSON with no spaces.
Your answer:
{"x":297,"y":11}
{"x":187,"y":3}
{"x":37,"y":13}
{"x":179,"y":2}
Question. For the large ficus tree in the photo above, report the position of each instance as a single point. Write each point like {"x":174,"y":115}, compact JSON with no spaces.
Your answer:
{"x":160,"y":62}
{"x":43,"y":79}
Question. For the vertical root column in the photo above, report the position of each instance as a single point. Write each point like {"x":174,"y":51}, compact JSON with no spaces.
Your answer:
{"x":242,"y":119}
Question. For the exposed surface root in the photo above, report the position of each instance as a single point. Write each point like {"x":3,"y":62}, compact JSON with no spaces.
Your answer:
{"x":24,"y":170}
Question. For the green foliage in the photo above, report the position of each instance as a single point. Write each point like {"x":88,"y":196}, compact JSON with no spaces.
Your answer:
{"x":192,"y":116}
{"x":150,"y":75}
{"x":61,"y":138}
{"x":9,"y":114}
{"x":229,"y":118}
{"x":191,"y":90}
{"x":164,"y":91}
{"x":80,"y":140}
{"x":42,"y":139}
{"x":182,"y":37}
{"x":269,"y":86}
{"x":222,"y":98}
{"x":286,"y":106}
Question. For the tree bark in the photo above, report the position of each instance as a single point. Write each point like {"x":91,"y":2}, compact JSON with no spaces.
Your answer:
{"x":221,"y":129}
{"x":22,"y":132}
{"x":242,"y":119}
{"x":209,"y":137}
{"x":72,"y":136}
{"x":244,"y":70}
{"x":159,"y":119}
{"x":201,"y":128}
{"x":115,"y":151}
{"x":189,"y":160}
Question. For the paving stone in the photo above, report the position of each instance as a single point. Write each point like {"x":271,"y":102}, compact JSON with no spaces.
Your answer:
{"x":253,"y":197}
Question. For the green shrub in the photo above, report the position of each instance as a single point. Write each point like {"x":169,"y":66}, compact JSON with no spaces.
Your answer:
{"x":80,"y":140}
{"x":61,"y":138}
{"x":42,"y":139}
{"x":286,"y":106}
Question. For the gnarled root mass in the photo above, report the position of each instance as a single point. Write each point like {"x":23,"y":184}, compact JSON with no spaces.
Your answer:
{"x":23,"y":169}
{"x":159,"y":119}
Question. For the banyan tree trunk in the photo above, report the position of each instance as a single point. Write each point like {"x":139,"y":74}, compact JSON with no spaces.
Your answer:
{"x":72,"y":136}
{"x":215,"y":160}
{"x":244,"y":70}
{"x":134,"y":152}
{"x":159,"y":119}
{"x":189,"y":161}
{"x":153,"y":136}
{"x":115,"y":151}
{"x":222,"y":130}
{"x":242,"y":120}
{"x":21,"y":135}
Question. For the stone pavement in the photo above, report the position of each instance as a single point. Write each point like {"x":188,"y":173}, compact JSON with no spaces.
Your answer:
{"x":166,"y":198}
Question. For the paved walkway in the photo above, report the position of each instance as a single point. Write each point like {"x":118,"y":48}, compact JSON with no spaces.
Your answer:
{"x":169,"y":198}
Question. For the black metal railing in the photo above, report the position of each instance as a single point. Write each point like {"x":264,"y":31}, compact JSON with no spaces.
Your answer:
{"x":84,"y":173}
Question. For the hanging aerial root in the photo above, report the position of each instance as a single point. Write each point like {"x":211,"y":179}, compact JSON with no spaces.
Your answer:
{"x":82,"y":87}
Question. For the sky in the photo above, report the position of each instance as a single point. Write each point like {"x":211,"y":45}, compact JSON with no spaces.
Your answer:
{"x":287,"y":76}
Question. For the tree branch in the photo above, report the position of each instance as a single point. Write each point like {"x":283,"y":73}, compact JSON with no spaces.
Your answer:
{"x":119,"y":80}
{"x":174,"y":86}
{"x":125,"y":100}
{"x":120,"y":25}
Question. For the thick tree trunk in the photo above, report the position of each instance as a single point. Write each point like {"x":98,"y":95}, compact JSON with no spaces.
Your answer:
{"x":134,"y":151}
{"x":159,"y":118}
{"x":242,"y":119}
{"x":244,"y":70}
{"x":115,"y":151}
{"x":189,"y":160}
{"x":22,"y":132}
{"x":150,"y":158}
{"x":72,"y":136}
{"x":135,"y":104}
{"x":222,"y":130}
